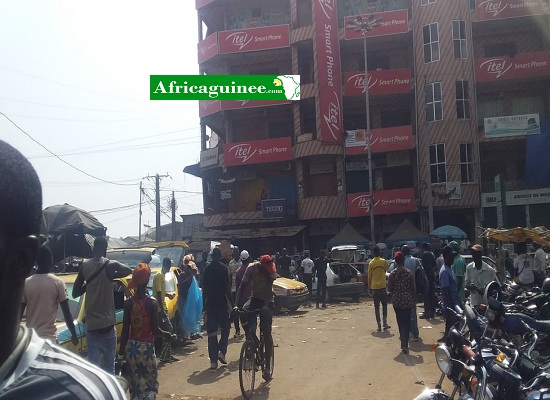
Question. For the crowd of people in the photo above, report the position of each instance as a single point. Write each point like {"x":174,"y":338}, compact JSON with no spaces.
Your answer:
{"x":33,"y":366}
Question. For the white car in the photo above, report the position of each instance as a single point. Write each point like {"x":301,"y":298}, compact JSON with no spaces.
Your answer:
{"x":343,"y":280}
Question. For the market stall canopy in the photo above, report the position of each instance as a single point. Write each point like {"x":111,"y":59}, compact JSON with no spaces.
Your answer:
{"x":66,"y":228}
{"x":517,"y":235}
{"x":406,"y":232}
{"x":348,"y":235}
{"x":64,"y":217}
{"x":449,"y":232}
{"x":231,"y":234}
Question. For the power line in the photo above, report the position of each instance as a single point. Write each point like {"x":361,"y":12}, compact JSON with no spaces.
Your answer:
{"x":60,"y":159}
{"x":85,"y":120}
{"x":87,"y":148}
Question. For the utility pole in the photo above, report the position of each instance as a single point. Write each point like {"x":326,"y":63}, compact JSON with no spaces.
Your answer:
{"x":173,"y":207}
{"x":364,"y":27}
{"x":140,"y":193}
{"x":157,"y":207}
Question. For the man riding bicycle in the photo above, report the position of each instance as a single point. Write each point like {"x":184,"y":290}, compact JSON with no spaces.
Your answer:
{"x":261,"y":276}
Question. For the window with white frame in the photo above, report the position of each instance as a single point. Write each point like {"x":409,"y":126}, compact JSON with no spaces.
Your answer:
{"x":426,"y":2}
{"x":462,"y":100}
{"x":438,"y":165}
{"x":431,"y":42}
{"x":434,"y":103}
{"x":459,"y":39}
{"x":466,"y":163}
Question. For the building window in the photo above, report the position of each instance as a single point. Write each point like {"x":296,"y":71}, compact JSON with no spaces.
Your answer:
{"x":438,"y":167}
{"x":459,"y":39}
{"x":501,"y":49}
{"x":466,"y":163}
{"x":462,"y":100}
{"x":434,"y":104}
{"x":431,"y":42}
{"x":426,"y":2}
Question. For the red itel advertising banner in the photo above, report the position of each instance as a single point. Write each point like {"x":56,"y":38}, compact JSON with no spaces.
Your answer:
{"x":207,"y":48}
{"x":386,"y":202}
{"x":265,"y":38}
{"x":380,"y":82}
{"x":202,"y":3}
{"x":207,"y":107}
{"x":487,"y":10}
{"x":257,"y":152}
{"x":328,"y":64}
{"x":521,"y":66}
{"x":391,"y":23}
{"x":383,"y":140}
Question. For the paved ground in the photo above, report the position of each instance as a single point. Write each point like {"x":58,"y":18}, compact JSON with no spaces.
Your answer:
{"x":332,"y":353}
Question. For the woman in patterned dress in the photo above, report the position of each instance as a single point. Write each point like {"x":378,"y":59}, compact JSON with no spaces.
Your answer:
{"x":402,"y":290}
{"x":140,"y":326}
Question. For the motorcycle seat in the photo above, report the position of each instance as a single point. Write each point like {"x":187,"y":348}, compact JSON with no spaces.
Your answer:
{"x":543,"y":326}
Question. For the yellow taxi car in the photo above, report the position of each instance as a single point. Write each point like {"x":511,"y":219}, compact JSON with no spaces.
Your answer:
{"x":289,"y":294}
{"x":121,"y":294}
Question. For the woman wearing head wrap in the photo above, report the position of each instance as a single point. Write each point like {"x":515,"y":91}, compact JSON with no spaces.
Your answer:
{"x":140,"y":326}
{"x":402,"y":294}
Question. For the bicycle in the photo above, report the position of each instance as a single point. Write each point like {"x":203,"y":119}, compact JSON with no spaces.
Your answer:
{"x":252,"y":357}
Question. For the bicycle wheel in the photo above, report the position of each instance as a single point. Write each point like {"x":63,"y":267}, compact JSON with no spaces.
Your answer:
{"x":272,"y":363}
{"x":247,"y":369}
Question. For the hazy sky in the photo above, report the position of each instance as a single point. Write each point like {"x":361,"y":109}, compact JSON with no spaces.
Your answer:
{"x":74,"y":76}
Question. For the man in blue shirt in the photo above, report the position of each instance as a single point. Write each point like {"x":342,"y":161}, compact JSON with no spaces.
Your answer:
{"x":449,"y":291}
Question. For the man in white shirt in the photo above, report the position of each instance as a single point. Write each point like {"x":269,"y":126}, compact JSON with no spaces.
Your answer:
{"x":539,"y":263}
{"x":478,"y":275}
{"x":233,"y":266}
{"x":307,"y":266}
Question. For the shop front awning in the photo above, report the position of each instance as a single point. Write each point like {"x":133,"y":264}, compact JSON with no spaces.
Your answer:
{"x":231,"y":234}
{"x":193,"y":169}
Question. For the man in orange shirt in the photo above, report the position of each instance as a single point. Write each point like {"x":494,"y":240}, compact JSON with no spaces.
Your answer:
{"x":377,"y":285}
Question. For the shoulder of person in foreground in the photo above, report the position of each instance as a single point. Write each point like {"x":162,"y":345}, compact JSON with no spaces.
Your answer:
{"x":57,"y":373}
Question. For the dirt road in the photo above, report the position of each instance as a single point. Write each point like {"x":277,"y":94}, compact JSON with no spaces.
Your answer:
{"x":332,"y":353}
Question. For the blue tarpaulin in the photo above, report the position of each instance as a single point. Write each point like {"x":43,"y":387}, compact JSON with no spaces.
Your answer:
{"x":537,"y":173}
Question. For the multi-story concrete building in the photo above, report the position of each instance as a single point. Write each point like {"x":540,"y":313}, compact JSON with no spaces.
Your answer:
{"x":459,"y":94}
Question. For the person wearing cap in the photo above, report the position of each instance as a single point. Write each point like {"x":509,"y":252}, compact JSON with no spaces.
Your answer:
{"x":478,"y":275}
{"x":233,"y":266}
{"x":139,"y":328}
{"x":523,"y":266}
{"x":403,"y":297}
{"x":449,"y":289}
{"x":377,"y":284}
{"x":216,"y":292}
{"x":307,"y":268}
{"x":246,"y":291}
{"x":459,"y":269}
{"x":429,"y":263}
{"x":261,"y":276}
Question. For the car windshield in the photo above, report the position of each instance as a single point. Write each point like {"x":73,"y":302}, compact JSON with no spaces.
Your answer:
{"x":174,"y":253}
{"x":132,"y":258}
{"x":74,"y":304}
{"x":168,"y":278}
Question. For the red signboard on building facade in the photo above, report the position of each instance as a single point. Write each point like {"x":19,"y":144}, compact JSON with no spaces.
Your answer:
{"x":207,"y":107}
{"x":386,"y":202}
{"x":253,"y":39}
{"x":383,"y":140}
{"x":202,"y":3}
{"x":524,"y":65}
{"x":207,"y":48}
{"x":328,"y":64}
{"x":257,"y":152}
{"x":237,"y":104}
{"x":487,"y":10}
{"x":389,"y":81}
{"x":391,"y":23}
